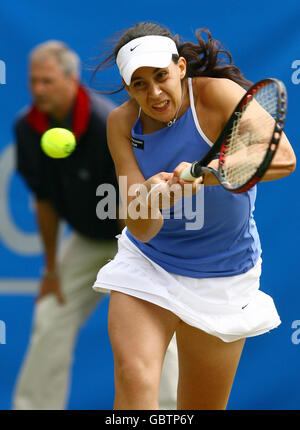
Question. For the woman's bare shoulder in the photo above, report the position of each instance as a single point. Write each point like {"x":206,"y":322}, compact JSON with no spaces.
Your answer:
{"x":211,"y":91}
{"x":123,"y":117}
{"x":215,"y":100}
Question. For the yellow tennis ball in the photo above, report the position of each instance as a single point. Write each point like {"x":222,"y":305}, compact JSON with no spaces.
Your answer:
{"x":58,"y":142}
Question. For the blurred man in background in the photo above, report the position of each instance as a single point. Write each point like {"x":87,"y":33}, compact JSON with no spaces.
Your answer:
{"x":65,"y":189}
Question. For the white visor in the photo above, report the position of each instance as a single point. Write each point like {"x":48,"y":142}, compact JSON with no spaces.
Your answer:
{"x":147,"y":51}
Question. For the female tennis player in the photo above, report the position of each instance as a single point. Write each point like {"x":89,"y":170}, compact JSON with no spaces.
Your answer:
{"x":203,"y":283}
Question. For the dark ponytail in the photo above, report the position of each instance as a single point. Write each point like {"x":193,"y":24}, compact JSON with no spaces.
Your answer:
{"x":209,"y":58}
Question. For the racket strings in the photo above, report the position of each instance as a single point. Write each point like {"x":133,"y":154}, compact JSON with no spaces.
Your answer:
{"x":250,"y":136}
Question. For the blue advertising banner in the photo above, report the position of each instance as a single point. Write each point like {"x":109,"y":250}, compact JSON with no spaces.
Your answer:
{"x":264,"y":41}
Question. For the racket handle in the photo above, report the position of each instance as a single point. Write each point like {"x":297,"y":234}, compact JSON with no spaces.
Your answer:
{"x":186,"y":174}
{"x":192,"y":172}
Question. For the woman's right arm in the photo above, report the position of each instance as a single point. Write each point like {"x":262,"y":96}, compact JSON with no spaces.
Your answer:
{"x":119,"y":124}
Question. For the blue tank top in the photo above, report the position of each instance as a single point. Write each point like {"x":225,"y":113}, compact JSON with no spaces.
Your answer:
{"x":210,"y":234}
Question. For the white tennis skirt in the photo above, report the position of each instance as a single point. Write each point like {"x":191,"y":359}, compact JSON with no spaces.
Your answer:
{"x":230,"y":308}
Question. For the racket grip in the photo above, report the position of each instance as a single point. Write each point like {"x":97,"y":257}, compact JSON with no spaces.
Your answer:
{"x":186,"y":174}
{"x":192,"y":172}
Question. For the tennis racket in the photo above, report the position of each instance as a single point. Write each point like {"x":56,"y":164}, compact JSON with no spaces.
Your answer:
{"x":249,"y":140}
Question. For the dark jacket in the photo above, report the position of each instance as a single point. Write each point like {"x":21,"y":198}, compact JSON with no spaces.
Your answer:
{"x":70,"y":183}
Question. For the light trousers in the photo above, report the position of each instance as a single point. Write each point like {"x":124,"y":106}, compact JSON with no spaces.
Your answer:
{"x":44,"y":379}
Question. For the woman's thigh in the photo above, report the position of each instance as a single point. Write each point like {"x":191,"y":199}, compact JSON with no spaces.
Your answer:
{"x":207,"y":367}
{"x":139,"y":328}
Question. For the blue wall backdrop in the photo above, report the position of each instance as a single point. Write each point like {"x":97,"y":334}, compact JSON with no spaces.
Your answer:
{"x":266,"y":44}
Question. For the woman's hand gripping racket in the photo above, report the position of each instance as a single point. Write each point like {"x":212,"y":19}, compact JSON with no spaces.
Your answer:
{"x":248,"y":142}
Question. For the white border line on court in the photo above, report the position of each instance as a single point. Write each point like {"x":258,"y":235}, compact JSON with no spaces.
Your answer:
{"x":18,"y":286}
